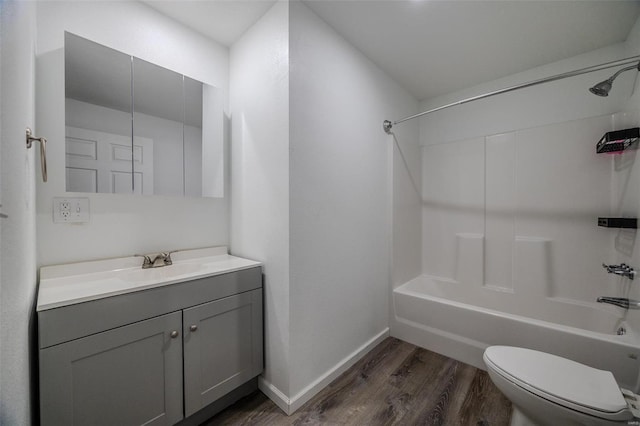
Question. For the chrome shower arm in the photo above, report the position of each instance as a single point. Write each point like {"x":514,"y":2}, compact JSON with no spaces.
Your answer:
{"x":387,"y":125}
{"x":633,"y":67}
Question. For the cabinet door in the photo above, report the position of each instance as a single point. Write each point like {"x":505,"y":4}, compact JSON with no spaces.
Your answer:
{"x":222,"y":347}
{"x":130,"y":375}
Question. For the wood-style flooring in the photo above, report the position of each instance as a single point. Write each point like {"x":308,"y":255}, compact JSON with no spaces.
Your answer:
{"x":396,"y":383}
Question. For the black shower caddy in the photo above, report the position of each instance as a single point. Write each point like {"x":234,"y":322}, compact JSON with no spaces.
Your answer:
{"x":618,"y":141}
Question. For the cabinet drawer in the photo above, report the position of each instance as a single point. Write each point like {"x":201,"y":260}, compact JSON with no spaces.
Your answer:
{"x":126,"y":376}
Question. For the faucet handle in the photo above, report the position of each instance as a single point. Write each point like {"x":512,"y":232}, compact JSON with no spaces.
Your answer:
{"x":167,"y":257}
{"x":622,"y":269}
{"x":148,"y":263}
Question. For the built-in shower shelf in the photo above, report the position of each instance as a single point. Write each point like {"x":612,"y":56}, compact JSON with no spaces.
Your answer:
{"x":618,"y":141}
{"x":618,"y":222}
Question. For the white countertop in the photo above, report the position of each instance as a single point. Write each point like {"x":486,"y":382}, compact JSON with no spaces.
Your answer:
{"x":62,"y":285}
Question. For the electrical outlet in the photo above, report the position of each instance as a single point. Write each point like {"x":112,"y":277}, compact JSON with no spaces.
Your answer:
{"x":70,"y":210}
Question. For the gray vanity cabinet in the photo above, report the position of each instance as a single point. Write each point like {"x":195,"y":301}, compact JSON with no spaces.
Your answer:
{"x":220,"y":342}
{"x":151,"y":357}
{"x":126,"y":376}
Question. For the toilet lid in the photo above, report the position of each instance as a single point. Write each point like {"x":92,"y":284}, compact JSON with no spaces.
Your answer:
{"x":559,"y":378}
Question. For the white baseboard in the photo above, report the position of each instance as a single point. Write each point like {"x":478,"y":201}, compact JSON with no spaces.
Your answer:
{"x":274,"y":394}
{"x":290,"y":405}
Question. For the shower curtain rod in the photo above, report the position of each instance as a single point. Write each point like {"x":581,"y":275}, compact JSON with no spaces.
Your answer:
{"x":387,"y":125}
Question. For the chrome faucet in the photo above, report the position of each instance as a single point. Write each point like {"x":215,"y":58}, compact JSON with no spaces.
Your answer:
{"x":622,"y":302}
{"x":622,"y":270}
{"x":161,"y":259}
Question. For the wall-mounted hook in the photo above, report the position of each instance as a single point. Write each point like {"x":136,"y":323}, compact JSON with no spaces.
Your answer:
{"x":43,"y":151}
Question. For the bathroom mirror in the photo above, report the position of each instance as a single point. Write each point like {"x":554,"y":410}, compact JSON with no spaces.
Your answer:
{"x":135,"y":127}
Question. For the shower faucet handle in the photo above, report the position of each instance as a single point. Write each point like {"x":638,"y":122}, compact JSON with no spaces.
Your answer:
{"x":622,"y":270}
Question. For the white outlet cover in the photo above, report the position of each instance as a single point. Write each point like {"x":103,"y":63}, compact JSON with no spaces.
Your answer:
{"x":70,"y":210}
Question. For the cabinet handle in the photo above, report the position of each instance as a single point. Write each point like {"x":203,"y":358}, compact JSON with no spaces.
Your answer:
{"x":193,"y":327}
{"x":174,"y":334}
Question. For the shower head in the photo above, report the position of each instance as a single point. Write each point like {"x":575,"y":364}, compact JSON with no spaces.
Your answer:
{"x":604,"y":87}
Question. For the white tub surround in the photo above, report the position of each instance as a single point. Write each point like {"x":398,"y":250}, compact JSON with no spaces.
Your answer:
{"x":62,"y":285}
{"x":511,"y":250}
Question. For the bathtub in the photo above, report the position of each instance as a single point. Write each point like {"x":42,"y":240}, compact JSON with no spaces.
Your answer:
{"x":438,"y":315}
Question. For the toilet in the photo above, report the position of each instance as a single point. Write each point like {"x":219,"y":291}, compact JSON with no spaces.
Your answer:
{"x":550,"y":390}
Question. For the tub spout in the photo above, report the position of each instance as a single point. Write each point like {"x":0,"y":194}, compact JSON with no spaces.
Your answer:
{"x":622,"y":302}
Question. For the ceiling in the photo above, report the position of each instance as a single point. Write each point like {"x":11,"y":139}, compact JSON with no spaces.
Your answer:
{"x":433,"y":47}
{"x":436,"y":47}
{"x":221,"y":20}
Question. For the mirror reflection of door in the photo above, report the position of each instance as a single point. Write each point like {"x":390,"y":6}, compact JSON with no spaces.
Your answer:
{"x":101,"y":162}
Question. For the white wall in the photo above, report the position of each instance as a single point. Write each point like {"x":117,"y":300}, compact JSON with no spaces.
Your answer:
{"x":340,"y":203}
{"x":17,"y":238}
{"x":312,"y":178}
{"x":121,"y":225}
{"x":260,"y":174}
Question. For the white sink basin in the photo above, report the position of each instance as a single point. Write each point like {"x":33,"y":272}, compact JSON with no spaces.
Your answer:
{"x":159,"y":274}
{"x":62,"y":285}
